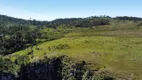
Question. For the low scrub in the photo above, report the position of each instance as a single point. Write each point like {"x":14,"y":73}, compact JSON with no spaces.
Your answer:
{"x":59,"y":47}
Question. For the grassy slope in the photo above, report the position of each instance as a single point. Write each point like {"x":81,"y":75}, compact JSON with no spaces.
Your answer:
{"x":117,"y":51}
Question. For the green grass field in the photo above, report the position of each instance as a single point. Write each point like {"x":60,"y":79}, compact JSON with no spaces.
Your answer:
{"x":118,"y":52}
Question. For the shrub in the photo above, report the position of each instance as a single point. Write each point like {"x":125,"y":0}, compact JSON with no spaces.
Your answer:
{"x":59,"y":47}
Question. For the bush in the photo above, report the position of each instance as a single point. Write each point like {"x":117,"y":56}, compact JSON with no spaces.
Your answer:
{"x":59,"y":47}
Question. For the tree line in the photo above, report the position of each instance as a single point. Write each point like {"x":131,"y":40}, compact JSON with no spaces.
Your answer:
{"x":47,"y":69}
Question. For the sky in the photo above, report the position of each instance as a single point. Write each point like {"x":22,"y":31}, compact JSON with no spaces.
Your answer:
{"x":53,"y":9}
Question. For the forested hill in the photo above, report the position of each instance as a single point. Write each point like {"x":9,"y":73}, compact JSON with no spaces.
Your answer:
{"x":16,"y":34}
{"x":128,"y":18}
{"x":75,"y":22}
{"x":92,"y":48}
{"x":8,"y":21}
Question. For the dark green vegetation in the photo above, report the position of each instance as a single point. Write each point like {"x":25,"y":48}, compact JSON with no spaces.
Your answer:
{"x":57,"y":68}
{"x":17,"y":34}
{"x":93,"y":48}
{"x":17,"y":37}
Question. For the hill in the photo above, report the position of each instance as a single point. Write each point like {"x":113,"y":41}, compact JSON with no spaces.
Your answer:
{"x":116,"y":53}
{"x":75,"y":49}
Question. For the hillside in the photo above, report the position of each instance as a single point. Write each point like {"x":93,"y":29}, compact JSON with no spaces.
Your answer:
{"x":113,"y":54}
{"x":88,"y":51}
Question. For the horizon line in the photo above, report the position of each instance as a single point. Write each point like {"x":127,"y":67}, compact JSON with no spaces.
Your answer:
{"x":66,"y":17}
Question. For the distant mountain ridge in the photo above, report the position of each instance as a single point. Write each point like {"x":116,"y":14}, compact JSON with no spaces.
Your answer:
{"x":76,"y":22}
{"x":6,"y":20}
